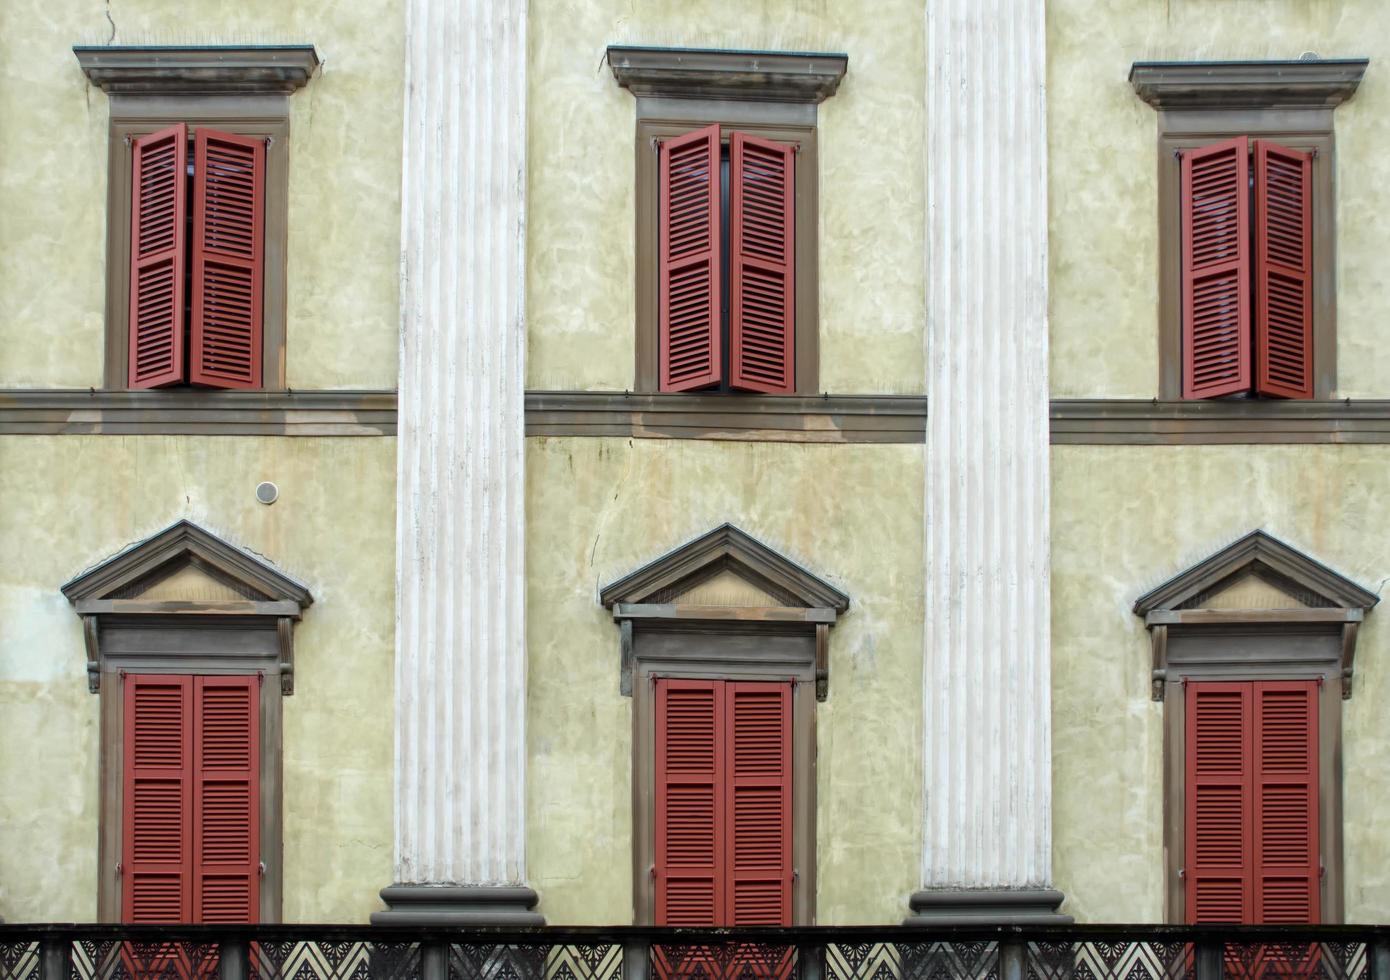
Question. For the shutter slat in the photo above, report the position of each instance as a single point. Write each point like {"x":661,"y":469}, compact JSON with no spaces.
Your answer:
{"x":226,"y":775}
{"x":689,"y":802}
{"x":228,"y":260}
{"x":689,"y":261}
{"x":157,"y":804}
{"x":1283,"y":271}
{"x":759,"y":821}
{"x":1215,"y":219}
{"x":762,"y":245}
{"x":1286,"y":847}
{"x":1218,"y":795}
{"x":158,"y":212}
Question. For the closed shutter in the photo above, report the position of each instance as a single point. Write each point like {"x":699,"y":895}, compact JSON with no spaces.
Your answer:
{"x":226,"y":773}
{"x":690,"y":803}
{"x":1219,"y":793}
{"x":1283,"y":270}
{"x":1286,"y":849}
{"x":688,"y":254}
{"x":762,"y":263}
{"x":228,"y":260}
{"x":759,"y":801}
{"x":157,"y":810}
{"x":158,"y":215}
{"x":1215,"y":214}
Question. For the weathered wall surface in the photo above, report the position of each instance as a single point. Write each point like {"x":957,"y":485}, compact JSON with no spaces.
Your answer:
{"x":599,"y":508}
{"x":1103,"y":176}
{"x":1125,"y":519}
{"x":580,"y":211}
{"x":73,"y":501}
{"x":344,"y":182}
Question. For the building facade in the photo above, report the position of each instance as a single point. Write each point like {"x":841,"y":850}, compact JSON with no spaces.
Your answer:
{"x":779,"y":463}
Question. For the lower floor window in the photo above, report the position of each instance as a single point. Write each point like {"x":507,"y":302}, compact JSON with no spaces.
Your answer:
{"x":190,"y":848}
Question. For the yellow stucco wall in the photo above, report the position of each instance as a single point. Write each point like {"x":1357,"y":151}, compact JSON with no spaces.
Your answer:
{"x":344,"y":182}
{"x":72,"y":501}
{"x":598,"y":509}
{"x":580,"y":289}
{"x":1103,"y":176}
{"x":1125,"y":519}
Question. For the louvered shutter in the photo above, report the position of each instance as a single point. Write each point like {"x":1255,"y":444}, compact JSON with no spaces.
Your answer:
{"x":1219,"y":792}
{"x":1286,"y":850}
{"x":158,"y":216}
{"x":759,"y":801}
{"x":690,"y":803}
{"x":157,"y":799}
{"x":228,"y":259}
{"x":689,"y":264}
{"x":762,"y":254}
{"x":1215,"y":206}
{"x":226,"y":775}
{"x":1283,"y":271}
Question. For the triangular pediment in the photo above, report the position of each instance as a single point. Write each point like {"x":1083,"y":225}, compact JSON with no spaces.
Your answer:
{"x":1258,"y":572}
{"x":725,"y":568}
{"x":185,"y":563}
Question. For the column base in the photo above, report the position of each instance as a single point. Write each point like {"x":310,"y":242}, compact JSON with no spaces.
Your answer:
{"x":458,"y":905}
{"x":986,"y":906}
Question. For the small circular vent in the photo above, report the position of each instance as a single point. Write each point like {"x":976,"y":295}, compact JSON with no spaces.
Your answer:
{"x":267,"y":492}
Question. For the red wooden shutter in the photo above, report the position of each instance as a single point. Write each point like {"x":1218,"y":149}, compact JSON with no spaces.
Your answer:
{"x":1283,"y":271}
{"x":762,"y":265}
{"x":688,"y":253}
{"x":1219,"y":793}
{"x":1286,"y":847}
{"x":228,"y":259}
{"x":158,"y":213}
{"x":690,"y":803}
{"x":759,"y":805}
{"x":226,"y":778}
{"x":157,"y":805}
{"x":1215,"y":206}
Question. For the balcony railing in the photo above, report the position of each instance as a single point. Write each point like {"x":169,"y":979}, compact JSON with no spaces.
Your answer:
{"x":313,"y":952}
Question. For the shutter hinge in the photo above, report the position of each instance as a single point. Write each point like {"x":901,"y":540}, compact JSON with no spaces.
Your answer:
{"x":1319,"y":683}
{"x":651,"y":871}
{"x":122,"y":672}
{"x":1322,"y":869}
{"x":1177,"y":154}
{"x":128,"y":140}
{"x":260,"y":678}
{"x":119,"y":869}
{"x":260,"y":868}
{"x":1182,"y":872}
{"x":796,"y":875}
{"x":269,"y":142}
{"x":1184,"y":683}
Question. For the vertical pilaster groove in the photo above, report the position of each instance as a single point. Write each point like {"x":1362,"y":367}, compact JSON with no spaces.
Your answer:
{"x":986,"y":739}
{"x":460,"y":575}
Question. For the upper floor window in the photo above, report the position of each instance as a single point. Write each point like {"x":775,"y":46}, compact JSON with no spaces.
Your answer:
{"x":1247,"y":224}
{"x":726,"y":216}
{"x":197,"y":212}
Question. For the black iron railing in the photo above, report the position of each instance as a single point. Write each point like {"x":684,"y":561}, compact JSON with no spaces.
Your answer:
{"x":313,"y":952}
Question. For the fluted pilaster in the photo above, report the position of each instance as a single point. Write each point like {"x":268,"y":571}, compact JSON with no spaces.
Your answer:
{"x":987,"y":806}
{"x":460,"y":578}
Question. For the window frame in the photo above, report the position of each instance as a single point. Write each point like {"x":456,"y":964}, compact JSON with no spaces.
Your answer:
{"x":258,"y":115}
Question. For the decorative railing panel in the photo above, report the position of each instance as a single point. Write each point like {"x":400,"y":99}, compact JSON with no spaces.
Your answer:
{"x":284,"y":952}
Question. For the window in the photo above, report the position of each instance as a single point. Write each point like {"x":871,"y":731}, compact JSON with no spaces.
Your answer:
{"x":725,"y":655}
{"x":1252,"y":656}
{"x":195,"y":268}
{"x":1247,"y":271}
{"x":190,"y":644}
{"x":726,"y":217}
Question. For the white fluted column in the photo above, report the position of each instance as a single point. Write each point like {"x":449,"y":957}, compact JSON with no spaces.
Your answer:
{"x":987,"y":833}
{"x":460,"y":578}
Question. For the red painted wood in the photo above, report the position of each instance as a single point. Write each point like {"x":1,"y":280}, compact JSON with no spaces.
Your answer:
{"x":690,"y":803}
{"x":158,"y":216}
{"x":762,"y":246}
{"x":1285,"y":854}
{"x":1215,"y":206}
{"x":228,"y":260}
{"x":688,"y":347}
{"x":1218,"y":792}
{"x":1283,"y":271}
{"x":758,"y":848}
{"x":226,"y":793}
{"x":156,"y":797}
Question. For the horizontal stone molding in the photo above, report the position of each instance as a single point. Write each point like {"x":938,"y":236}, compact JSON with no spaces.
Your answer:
{"x":243,"y":69}
{"x":763,"y":76}
{"x":986,"y":906}
{"x":744,"y":418}
{"x":1322,"y":83}
{"x":458,"y":906}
